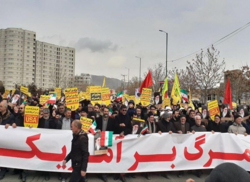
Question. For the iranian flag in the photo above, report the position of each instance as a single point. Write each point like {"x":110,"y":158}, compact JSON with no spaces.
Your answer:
{"x":119,"y":96}
{"x":93,"y":127}
{"x":144,"y":130}
{"x":184,"y":95}
{"x":107,"y":138}
{"x":52,"y":99}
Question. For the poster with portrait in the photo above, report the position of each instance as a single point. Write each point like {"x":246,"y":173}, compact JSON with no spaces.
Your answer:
{"x":157,"y":98}
{"x":99,"y":150}
{"x":137,"y":125}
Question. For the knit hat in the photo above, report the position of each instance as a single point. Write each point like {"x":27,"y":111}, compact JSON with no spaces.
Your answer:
{"x":165,"y":116}
{"x":228,"y":172}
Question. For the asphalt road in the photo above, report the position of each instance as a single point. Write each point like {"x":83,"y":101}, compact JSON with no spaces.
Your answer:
{"x":154,"y":177}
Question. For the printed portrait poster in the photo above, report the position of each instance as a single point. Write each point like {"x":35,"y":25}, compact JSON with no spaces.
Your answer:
{"x":138,"y":125}
{"x":15,"y":98}
{"x":99,"y":150}
{"x":157,"y":98}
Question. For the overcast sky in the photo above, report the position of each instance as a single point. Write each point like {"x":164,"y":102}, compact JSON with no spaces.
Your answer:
{"x":108,"y":34}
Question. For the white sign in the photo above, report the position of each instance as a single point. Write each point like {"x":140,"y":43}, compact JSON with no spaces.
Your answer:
{"x":44,"y":150}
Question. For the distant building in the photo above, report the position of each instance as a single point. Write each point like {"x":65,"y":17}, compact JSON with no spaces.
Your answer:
{"x":25,"y":60}
{"x":83,"y":79}
{"x":17,"y":56}
{"x":55,"y":65}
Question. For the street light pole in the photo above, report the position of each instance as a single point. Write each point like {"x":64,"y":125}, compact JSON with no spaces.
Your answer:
{"x":128,"y":75}
{"x":166,"y":51}
{"x":139,"y":71}
{"x":123,"y":82}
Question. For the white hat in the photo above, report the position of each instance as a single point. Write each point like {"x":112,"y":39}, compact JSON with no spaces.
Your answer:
{"x":168,"y":108}
{"x":170,"y":112}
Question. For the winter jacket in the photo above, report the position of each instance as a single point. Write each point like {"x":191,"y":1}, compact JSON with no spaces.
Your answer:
{"x":236,"y":128}
{"x":7,"y":118}
{"x":119,"y":119}
{"x":79,"y":153}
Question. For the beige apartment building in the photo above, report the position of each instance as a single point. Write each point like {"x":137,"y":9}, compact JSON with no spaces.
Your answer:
{"x":25,"y":60}
{"x":55,"y":65}
{"x":17,"y":56}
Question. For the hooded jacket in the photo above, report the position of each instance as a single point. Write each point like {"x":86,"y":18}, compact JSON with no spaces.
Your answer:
{"x":79,"y":154}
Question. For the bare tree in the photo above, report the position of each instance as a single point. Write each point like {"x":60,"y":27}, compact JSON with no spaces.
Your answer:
{"x":206,"y":71}
{"x":133,"y":84}
{"x":60,"y":79}
{"x":240,"y":82}
{"x":184,"y":79}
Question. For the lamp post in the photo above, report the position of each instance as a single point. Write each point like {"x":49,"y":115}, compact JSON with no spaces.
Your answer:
{"x":166,"y":51}
{"x":139,"y":71}
{"x":128,"y":75}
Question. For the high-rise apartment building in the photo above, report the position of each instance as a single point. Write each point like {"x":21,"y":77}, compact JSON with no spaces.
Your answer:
{"x":55,"y":65}
{"x":25,"y":60}
{"x":17,"y":56}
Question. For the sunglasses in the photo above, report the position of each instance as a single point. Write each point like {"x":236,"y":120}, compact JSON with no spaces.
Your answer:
{"x":124,"y":110}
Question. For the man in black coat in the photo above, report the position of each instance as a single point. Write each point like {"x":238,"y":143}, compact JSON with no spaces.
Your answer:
{"x":79,"y":153}
{"x":46,"y":121}
{"x":191,"y":119}
{"x":217,"y":125}
{"x":6,"y":118}
{"x":164,"y":125}
{"x":105,"y":123}
{"x":176,"y":116}
{"x":123,"y":125}
{"x":19,"y":119}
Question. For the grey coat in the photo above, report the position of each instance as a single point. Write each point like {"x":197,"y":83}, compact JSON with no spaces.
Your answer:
{"x":236,"y":128}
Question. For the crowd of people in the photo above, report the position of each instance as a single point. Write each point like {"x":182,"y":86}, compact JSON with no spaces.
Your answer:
{"x":117,"y":117}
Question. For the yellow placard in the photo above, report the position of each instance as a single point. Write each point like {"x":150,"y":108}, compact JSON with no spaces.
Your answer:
{"x":82,"y":96}
{"x":58,"y":93}
{"x":166,"y":102}
{"x":72,"y":98}
{"x":200,"y":109}
{"x":105,"y":96}
{"x":6,"y":93}
{"x":31,"y":116}
{"x":146,"y":96}
{"x":25,"y":90}
{"x":234,"y":105}
{"x":213,"y":109}
{"x":86,"y":123}
{"x":44,"y":99}
{"x":95,"y":94}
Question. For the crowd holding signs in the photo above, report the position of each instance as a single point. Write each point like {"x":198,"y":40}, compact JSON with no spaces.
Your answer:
{"x":109,"y":119}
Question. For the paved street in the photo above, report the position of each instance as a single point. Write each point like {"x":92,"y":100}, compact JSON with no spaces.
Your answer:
{"x":39,"y":177}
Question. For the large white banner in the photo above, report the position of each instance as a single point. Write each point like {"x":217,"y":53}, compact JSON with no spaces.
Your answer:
{"x":44,"y":150}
